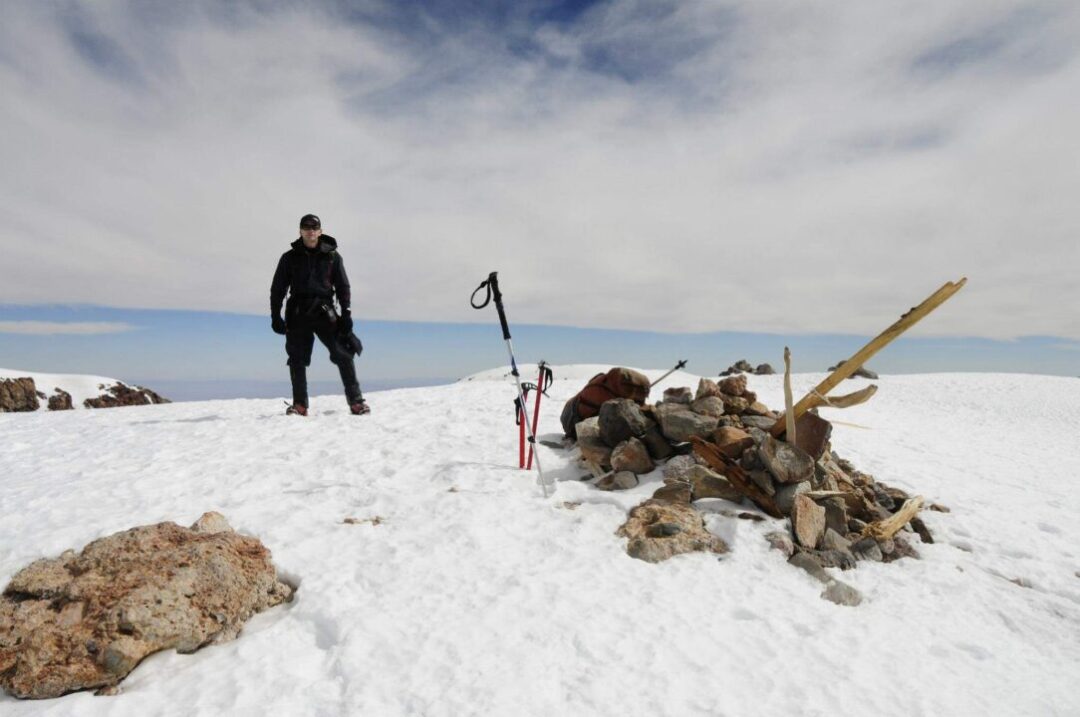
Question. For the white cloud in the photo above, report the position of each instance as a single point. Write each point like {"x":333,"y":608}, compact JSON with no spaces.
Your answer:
{"x":780,"y":166}
{"x":47,"y":328}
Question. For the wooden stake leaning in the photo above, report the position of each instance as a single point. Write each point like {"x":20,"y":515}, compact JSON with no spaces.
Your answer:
{"x":789,"y":415}
{"x":887,"y":528}
{"x":905,"y":322}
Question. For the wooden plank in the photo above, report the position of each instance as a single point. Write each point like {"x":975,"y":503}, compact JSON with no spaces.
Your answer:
{"x":851,"y":399}
{"x":887,"y":528}
{"x":905,"y":322}
{"x":731,"y":470}
{"x":789,"y":415}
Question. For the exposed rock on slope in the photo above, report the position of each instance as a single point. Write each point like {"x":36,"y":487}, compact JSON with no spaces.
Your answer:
{"x":122,"y":395}
{"x":17,"y":395}
{"x":23,"y":393}
{"x":84,"y":621}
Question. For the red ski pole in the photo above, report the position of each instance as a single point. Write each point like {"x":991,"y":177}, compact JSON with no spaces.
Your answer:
{"x":520,"y":415}
{"x":541,"y":386}
{"x":521,"y":437}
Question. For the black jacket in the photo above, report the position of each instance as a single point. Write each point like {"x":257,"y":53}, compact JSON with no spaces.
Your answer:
{"x":310,"y":274}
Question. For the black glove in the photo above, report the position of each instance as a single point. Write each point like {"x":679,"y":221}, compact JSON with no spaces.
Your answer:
{"x":344,"y":322}
{"x":277,"y":324}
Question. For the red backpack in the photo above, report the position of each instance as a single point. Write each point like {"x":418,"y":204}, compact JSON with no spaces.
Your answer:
{"x":616,"y":383}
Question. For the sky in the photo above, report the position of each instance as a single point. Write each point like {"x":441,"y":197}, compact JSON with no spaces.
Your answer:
{"x":782,"y":168}
{"x":188,"y":355}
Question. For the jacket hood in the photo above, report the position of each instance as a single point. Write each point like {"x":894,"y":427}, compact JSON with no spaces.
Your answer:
{"x":327,"y":243}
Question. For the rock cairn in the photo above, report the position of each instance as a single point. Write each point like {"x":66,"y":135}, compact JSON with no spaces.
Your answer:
{"x":715,"y":442}
{"x":84,"y":621}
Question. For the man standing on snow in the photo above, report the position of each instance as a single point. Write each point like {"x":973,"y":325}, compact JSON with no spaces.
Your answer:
{"x":312,"y":271}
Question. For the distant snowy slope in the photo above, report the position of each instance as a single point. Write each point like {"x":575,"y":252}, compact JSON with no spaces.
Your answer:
{"x":579,"y":373}
{"x":476,"y":596}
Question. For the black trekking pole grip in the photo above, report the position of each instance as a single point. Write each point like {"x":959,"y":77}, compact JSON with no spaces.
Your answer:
{"x":493,"y":283}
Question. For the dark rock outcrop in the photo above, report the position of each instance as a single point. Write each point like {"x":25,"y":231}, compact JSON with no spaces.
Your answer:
{"x":18,"y":395}
{"x":60,"y":401}
{"x":120,"y":394}
{"x":861,"y":372}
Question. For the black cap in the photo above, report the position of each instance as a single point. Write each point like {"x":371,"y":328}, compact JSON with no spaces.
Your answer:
{"x":310,"y":221}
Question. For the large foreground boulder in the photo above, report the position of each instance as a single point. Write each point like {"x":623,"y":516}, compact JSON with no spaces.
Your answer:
{"x":84,"y":621}
{"x":660,"y":529}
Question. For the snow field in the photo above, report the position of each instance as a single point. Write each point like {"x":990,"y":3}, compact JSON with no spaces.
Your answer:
{"x":478,"y":596}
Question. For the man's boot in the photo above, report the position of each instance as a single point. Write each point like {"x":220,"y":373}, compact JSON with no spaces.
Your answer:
{"x":357,"y":405}
{"x":298,"y":376}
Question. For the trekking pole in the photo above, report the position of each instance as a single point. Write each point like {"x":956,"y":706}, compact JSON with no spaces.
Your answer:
{"x":526,"y":387}
{"x":492,"y":286}
{"x":543,"y":382}
{"x":677,"y":367}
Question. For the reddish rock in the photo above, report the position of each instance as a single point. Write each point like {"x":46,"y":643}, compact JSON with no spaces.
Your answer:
{"x":812,"y":433}
{"x":677,"y":492}
{"x":733,"y":385}
{"x":705,"y":388}
{"x":658,"y":530}
{"x":757,"y":408}
{"x":732,"y":441}
{"x":807,"y":521}
{"x":631,"y":455}
{"x":84,"y":621}
{"x":593,"y":450}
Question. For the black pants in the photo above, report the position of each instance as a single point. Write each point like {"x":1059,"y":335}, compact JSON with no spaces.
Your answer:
{"x":299,"y":340}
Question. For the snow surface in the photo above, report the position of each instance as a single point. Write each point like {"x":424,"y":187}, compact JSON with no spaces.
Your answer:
{"x":478,"y":596}
{"x":80,"y":386}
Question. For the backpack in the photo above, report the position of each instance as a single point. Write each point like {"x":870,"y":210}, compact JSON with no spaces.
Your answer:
{"x":616,"y":383}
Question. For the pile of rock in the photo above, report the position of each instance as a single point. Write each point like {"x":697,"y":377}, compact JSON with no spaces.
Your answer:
{"x":626,"y":440}
{"x":84,"y":621}
{"x":743,"y":366}
{"x":717,"y":443}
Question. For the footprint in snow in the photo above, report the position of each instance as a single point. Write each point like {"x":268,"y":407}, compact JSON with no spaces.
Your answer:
{"x":979,"y":653}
